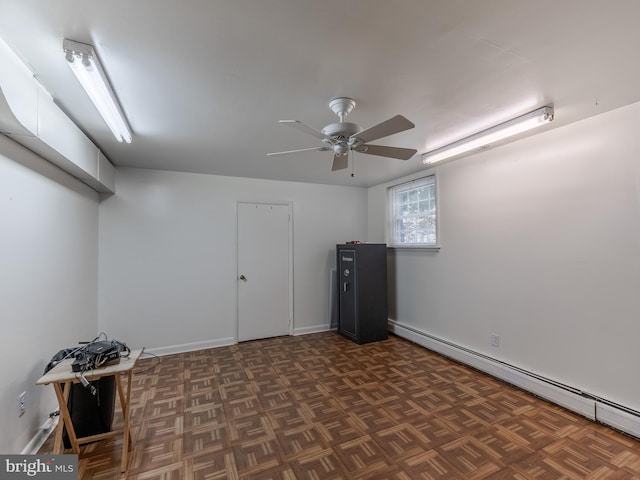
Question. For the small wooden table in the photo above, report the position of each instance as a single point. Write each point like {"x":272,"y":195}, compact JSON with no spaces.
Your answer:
{"x":61,"y":376}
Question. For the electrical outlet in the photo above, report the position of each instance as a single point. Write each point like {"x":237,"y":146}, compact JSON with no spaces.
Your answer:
{"x":22,"y":403}
{"x":495,"y":340}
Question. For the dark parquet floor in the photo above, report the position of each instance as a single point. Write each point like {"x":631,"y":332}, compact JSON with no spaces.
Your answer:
{"x":321,"y":407}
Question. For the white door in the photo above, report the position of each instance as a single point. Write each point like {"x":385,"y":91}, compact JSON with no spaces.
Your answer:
{"x":263,"y":270}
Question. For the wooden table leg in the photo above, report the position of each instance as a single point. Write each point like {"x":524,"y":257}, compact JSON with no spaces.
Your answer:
{"x":124,"y":404}
{"x":57,"y":444}
{"x":62,"y":393}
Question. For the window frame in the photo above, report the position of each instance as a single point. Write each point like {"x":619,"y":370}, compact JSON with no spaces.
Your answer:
{"x":392,"y":208}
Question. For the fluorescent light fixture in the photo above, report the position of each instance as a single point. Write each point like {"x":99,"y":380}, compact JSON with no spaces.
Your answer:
{"x":484,"y":139}
{"x":83,"y":61}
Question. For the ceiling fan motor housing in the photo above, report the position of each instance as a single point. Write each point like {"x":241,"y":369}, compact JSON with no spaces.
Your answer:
{"x":342,"y":129}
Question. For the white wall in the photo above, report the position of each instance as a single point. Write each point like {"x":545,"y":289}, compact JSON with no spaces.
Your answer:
{"x":167,"y":254}
{"x":540,"y":245}
{"x":48,"y":281}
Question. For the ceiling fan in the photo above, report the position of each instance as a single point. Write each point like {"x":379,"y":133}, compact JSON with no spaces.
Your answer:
{"x":343,"y":137}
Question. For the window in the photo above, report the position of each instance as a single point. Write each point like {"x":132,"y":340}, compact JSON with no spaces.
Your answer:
{"x":413,"y":213}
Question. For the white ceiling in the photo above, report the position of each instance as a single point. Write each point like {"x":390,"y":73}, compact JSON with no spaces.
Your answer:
{"x":204,"y":82}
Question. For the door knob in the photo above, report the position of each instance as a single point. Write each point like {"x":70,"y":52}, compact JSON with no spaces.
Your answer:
{"x":242,"y":277}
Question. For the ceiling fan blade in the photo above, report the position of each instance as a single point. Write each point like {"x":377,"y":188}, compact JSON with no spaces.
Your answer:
{"x":304,"y":128}
{"x":319,"y":149}
{"x":395,"y":124}
{"x":392,"y":152}
{"x":340,"y":162}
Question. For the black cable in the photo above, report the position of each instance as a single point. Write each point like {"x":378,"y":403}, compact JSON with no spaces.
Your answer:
{"x":152,"y":367}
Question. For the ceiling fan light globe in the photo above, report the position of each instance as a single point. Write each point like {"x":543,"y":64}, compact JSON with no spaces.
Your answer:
{"x":340,"y":149}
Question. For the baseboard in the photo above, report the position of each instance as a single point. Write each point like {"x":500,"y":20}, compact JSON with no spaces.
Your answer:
{"x":618,"y":418}
{"x":583,"y":403}
{"x":223,"y":342}
{"x":40,"y":437}
{"x":312,"y":329}
{"x":190,"y":347}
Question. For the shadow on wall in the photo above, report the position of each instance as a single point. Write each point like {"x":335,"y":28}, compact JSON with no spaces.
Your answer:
{"x":391,"y":284}
{"x":332,"y":297}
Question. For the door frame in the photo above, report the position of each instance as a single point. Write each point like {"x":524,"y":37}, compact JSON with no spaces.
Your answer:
{"x":289,"y":205}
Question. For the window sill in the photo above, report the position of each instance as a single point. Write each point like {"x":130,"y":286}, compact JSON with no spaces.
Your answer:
{"x":423,"y":248}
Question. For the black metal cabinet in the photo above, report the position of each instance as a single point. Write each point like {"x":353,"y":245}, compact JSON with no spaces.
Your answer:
{"x":362,"y":291}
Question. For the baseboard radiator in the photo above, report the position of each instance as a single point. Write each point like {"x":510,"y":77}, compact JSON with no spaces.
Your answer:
{"x":592,"y":407}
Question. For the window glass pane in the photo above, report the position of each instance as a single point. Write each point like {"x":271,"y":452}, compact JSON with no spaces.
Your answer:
{"x":414,"y":213}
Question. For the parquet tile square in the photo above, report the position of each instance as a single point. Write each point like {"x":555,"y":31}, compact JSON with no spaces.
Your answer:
{"x":525,"y":433}
{"x":275,"y":399}
{"x":454,"y":394}
{"x":379,"y":394}
{"x":372,"y":419}
{"x":349,"y":399}
{"x":453,"y":373}
{"x":436,"y":431}
{"x":480,"y":386}
{"x":611,"y":448}
{"x":308,"y":392}
{"x":362,"y":456}
{"x":160,"y":426}
{"x":403,"y":386}
{"x":487,"y":409}
{"x":471,"y":458}
{"x":156,"y":452}
{"x":360,"y":379}
{"x":427,"y":377}
{"x":324,"y":465}
{"x":204,"y":414}
{"x":302,"y":441}
{"x":510,"y":473}
{"x":280,"y":472}
{"x":202,"y":397}
{"x":209,"y":438}
{"x":236,"y":377}
{"x":320,"y":407}
{"x":572,"y":457}
{"x":295,"y":379}
{"x":220,"y":465}
{"x":285,"y":417}
{"x":404,"y":410}
{"x":538,"y":466}
{"x":252,"y":457}
{"x":165,"y":407}
{"x":502,"y":446}
{"x":429,"y":465}
{"x":338,"y":429}
{"x":242,"y":407}
{"x":166,"y":472}
{"x":555,"y":421}
{"x":430,"y":400}
{"x":254,"y":428}
{"x":261,"y":372}
{"x":197,"y":371}
{"x":461,"y":420}
{"x":400,"y":441}
{"x":514,"y":401}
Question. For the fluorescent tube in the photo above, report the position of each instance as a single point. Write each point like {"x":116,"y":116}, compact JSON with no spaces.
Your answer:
{"x":484,"y":138}
{"x":83,"y":62}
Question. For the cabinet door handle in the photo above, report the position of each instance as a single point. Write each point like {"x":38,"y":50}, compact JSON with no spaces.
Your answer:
{"x":345,"y":286}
